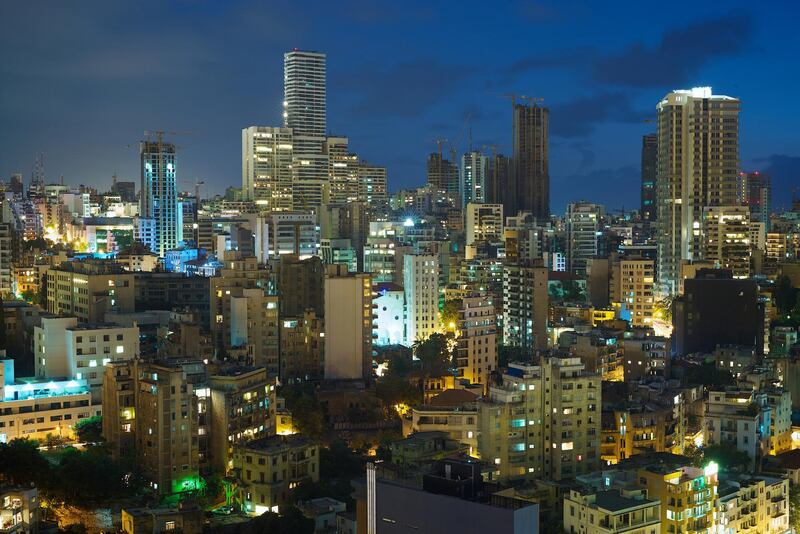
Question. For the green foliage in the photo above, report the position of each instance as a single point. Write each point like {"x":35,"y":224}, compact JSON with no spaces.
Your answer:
{"x":434,"y":357}
{"x":90,"y":429}
{"x":21,"y":463}
{"x":450,"y":311}
{"x":708,"y":375}
{"x":567,"y":291}
{"x":508,"y":353}
{"x":785,"y":295}
{"x":395,"y":389}
{"x":290,"y":521}
{"x":307,"y":412}
{"x":794,"y":507}
{"x":727,"y":457}
{"x":33,"y":297}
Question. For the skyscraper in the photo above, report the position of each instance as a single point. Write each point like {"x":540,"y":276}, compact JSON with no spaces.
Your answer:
{"x":158,"y":199}
{"x":472,"y":181}
{"x":304,"y":111}
{"x":583,"y":224}
{"x":497,"y":181}
{"x":267,"y":167}
{"x":531,"y":174}
{"x":756,"y":194}
{"x":342,"y":169}
{"x":442,"y":174}
{"x":649,"y":154}
{"x":697,"y":162}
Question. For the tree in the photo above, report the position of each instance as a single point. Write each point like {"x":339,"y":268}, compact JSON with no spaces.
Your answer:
{"x":785,"y":295}
{"x":450,"y":312}
{"x":434,"y":356}
{"x":21,"y":463}
{"x":290,"y":521}
{"x":90,"y":429}
{"x":727,"y":457}
{"x":708,"y":375}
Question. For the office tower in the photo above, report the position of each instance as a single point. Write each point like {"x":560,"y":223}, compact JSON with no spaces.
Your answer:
{"x":756,"y":193}
{"x":526,"y":303}
{"x":726,"y":238}
{"x":442,"y":175}
{"x":348,"y":323}
{"x":304,"y":111}
{"x":158,"y":199}
{"x":476,"y":355}
{"x":531,"y":173}
{"x":421,"y":285}
{"x":343,"y":170}
{"x":473,"y":178}
{"x":544,"y":421}
{"x":717,"y":309}
{"x":697,"y":161}
{"x":372,"y":185}
{"x":484,"y":224}
{"x":632,"y":285}
{"x":649,"y":155}
{"x":267,"y":173}
{"x":583,"y":225}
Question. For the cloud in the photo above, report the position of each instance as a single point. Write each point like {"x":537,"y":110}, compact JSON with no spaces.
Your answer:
{"x":577,"y":118}
{"x":406,"y":89}
{"x":785,"y":173}
{"x":600,"y":185}
{"x":679,"y":56}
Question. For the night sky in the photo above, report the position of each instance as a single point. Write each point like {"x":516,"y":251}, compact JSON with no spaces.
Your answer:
{"x":82,"y":80}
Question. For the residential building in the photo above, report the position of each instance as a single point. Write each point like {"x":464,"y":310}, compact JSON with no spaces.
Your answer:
{"x":65,"y":348}
{"x":158,"y":197}
{"x":87,"y":289}
{"x":269,"y":468}
{"x":698,"y":162}
{"x":531,"y":161}
{"x":343,"y":170}
{"x":242,"y":409}
{"x":756,"y":193}
{"x":119,"y":403}
{"x":647,"y":211}
{"x":300,"y":285}
{"x":739,"y":418}
{"x":302,"y":347}
{"x":726,"y":239}
{"x":687,"y":495}
{"x":526,"y":303}
{"x":473,"y":178}
{"x":390,"y":321}
{"x":753,"y":504}
{"x":633,"y":286}
{"x":582,"y":226}
{"x":33,"y":408}
{"x":613,"y":511}
{"x":348,"y":320}
{"x":484,"y":225}
{"x":286,"y":233}
{"x":476,"y":350}
{"x":372,"y":185}
{"x":19,"y":510}
{"x":646,"y":356}
{"x":421,"y":286}
{"x":548,"y":418}
{"x":267,"y":173}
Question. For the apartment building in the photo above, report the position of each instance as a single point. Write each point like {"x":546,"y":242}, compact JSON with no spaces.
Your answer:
{"x":87,"y":289}
{"x":269,"y":468}
{"x":476,"y":354}
{"x":739,"y":418}
{"x":543,"y":421}
{"x":687,"y":496}
{"x":753,"y":504}
{"x":613,"y":511}
{"x":525,"y":306}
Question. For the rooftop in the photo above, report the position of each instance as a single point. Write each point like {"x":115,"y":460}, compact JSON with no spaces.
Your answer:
{"x":613,"y":501}
{"x":277,"y":443}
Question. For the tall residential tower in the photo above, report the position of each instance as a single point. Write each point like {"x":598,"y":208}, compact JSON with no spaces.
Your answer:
{"x":531,"y":169}
{"x":697,"y":162}
{"x":159,"y":196}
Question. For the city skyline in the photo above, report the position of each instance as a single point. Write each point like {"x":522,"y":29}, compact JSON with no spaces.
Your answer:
{"x":392,"y":110}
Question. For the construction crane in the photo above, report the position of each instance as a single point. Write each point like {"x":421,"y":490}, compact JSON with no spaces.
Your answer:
{"x":197,"y":183}
{"x":530,"y":99}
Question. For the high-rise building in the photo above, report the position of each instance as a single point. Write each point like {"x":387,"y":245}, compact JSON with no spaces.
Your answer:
{"x":498,"y":181}
{"x":544,"y":421}
{"x":526,"y":304}
{"x":343,"y":170}
{"x":477,"y":339}
{"x":649,"y":156}
{"x":726,"y":238}
{"x":442,"y":174}
{"x":304,"y":111}
{"x":267,"y":173}
{"x":583,"y":224}
{"x":421,"y":285}
{"x":531,"y":174}
{"x":484,"y":224}
{"x":697,"y":161}
{"x":372,"y":185}
{"x":348,"y":322}
{"x":158,"y":198}
{"x":473,"y":178}
{"x":632,"y":286}
{"x":755,"y":191}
